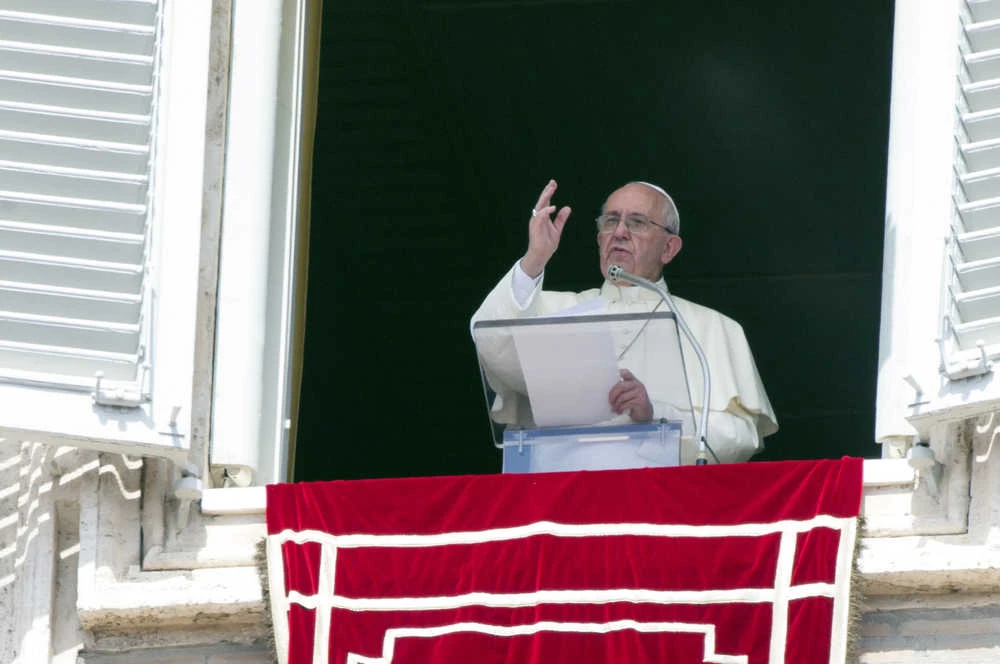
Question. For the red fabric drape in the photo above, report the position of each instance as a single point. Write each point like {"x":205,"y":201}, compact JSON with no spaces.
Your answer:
{"x":728,"y":563}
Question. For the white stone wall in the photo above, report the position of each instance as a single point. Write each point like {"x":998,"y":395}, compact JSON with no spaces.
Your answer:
{"x":939,"y":629}
{"x":39,"y":550}
{"x":79,"y":535}
{"x":207,"y":655}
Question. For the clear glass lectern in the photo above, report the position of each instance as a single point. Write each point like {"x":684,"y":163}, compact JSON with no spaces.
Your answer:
{"x":546,"y":382}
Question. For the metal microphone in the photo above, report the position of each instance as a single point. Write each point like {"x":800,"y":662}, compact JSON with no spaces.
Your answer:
{"x":616,"y":273}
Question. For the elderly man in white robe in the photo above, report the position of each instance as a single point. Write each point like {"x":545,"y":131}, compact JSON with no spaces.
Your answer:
{"x":638,"y":229}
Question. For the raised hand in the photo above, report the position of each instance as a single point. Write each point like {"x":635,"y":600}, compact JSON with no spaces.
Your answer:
{"x":543,"y":232}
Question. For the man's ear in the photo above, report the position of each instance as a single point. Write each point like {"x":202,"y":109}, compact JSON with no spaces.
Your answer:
{"x":672,"y":248}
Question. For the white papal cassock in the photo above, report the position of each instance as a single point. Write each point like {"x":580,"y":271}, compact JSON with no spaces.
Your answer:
{"x":740,"y":414}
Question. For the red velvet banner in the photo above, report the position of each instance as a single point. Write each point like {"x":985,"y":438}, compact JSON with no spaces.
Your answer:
{"x":741,"y":563}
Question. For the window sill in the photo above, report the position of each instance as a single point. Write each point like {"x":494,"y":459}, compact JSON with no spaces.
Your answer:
{"x":895,"y":557}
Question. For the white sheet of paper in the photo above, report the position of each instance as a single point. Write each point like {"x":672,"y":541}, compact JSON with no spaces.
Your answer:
{"x":568,"y":373}
{"x":595,"y":305}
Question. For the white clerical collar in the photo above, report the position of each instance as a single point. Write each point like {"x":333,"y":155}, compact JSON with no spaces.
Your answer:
{"x":613,"y":293}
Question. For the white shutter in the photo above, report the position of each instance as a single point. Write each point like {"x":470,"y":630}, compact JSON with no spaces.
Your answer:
{"x":103,"y":107}
{"x":973,"y":319}
{"x":76,"y":134}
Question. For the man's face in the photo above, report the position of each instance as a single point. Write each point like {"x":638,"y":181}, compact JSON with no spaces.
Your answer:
{"x":643,"y":255}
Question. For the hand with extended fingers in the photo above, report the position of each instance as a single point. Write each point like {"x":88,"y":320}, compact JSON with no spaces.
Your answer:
{"x":543,"y":231}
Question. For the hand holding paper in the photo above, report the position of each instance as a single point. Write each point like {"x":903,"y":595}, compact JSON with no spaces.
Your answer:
{"x":630,"y":395}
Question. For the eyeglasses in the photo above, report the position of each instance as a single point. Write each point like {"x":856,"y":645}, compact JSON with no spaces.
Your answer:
{"x":635,"y":223}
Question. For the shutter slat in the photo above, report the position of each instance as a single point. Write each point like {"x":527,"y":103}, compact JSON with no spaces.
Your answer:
{"x":978,"y":275}
{"x":984,"y":35}
{"x":980,"y":215}
{"x":986,"y":330}
{"x":63,"y":241}
{"x":85,"y":93}
{"x":47,"y":120}
{"x":115,"y":11}
{"x":75,"y":63}
{"x":103,"y":190}
{"x":75,"y":113}
{"x":982,"y":126}
{"x":982,"y":155}
{"x":67,"y":201}
{"x":980,"y":304}
{"x":981,"y":184}
{"x":983,"y":66}
{"x":72,"y":302}
{"x":982,"y":96}
{"x":981,"y":245}
{"x":74,"y":154}
{"x":984,"y":10}
{"x":69,"y":172}
{"x":56,"y":331}
{"x":70,"y":366}
{"x":70,"y":81}
{"x":69,"y":33}
{"x":59,"y":271}
{"x":72,"y":213}
{"x":75,"y":56}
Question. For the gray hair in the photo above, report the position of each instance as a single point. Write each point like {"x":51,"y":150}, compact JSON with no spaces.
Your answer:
{"x":671,"y":216}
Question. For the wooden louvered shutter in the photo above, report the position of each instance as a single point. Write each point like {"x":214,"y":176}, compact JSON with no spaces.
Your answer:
{"x":974,"y":294}
{"x":103,"y":107}
{"x":76,"y":128}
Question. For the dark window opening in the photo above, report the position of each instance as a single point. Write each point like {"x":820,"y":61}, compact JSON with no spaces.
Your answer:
{"x":440,"y":121}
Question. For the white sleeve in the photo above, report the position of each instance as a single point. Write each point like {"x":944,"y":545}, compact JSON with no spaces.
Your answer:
{"x":732,"y":436}
{"x":523,"y":285}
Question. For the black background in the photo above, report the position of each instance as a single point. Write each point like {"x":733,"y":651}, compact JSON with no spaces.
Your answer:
{"x":439,"y":123}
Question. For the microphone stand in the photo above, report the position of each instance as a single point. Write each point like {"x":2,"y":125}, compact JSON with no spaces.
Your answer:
{"x":616,"y":273}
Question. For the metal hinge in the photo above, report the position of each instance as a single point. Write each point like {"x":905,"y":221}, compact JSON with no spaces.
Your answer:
{"x":118,"y":395}
{"x":962,"y":369}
